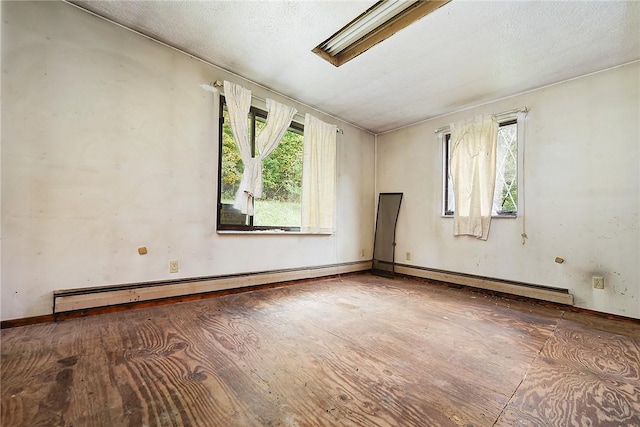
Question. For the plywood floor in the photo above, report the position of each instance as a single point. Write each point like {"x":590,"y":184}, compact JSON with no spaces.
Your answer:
{"x":353,"y":351}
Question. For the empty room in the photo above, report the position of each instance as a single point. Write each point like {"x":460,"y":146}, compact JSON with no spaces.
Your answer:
{"x":320,"y":213}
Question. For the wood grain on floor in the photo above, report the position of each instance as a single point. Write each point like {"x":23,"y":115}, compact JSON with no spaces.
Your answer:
{"x":354,"y":351}
{"x":587,"y":374}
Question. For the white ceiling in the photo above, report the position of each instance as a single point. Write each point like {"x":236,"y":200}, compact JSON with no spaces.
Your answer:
{"x":463,"y":54}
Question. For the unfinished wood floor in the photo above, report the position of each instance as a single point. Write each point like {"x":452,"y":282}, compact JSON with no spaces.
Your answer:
{"x":353,"y":351}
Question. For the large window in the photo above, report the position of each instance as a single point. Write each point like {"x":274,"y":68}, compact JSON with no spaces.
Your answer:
{"x":505,"y":197}
{"x":279,"y":207}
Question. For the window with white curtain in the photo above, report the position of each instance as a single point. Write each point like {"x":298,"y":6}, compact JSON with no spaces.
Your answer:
{"x":505,"y":198}
{"x":274,"y":173}
{"x":279,"y":208}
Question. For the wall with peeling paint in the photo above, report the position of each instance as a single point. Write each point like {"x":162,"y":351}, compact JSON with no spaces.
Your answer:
{"x":109,"y":143}
{"x":580,"y":195}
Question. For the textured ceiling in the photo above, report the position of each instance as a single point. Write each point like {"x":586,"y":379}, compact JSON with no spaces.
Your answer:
{"x":463,"y":54}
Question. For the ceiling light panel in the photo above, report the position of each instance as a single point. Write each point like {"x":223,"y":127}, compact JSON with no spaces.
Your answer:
{"x":377,"y":23}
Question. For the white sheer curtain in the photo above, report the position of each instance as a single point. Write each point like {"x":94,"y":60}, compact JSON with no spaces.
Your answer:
{"x":278,"y":120}
{"x":473,"y":172}
{"x":318,"y":176}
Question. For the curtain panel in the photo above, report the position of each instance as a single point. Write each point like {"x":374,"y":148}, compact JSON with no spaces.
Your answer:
{"x":279,"y":118}
{"x":473,"y":173}
{"x":318,"y":176}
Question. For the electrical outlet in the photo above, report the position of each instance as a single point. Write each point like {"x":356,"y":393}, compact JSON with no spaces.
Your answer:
{"x":598,"y":282}
{"x":408,"y":256}
{"x":173,"y":266}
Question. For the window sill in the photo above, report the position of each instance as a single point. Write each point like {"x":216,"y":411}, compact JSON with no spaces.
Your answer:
{"x":492,"y":216}
{"x":272,"y":232}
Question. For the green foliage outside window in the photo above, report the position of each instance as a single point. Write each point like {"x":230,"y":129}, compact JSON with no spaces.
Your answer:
{"x":281,"y":176}
{"x":232,"y":166}
{"x":506,"y":197}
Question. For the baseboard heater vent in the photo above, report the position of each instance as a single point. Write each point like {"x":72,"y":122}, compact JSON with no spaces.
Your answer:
{"x":104,"y":296}
{"x":545,"y":293}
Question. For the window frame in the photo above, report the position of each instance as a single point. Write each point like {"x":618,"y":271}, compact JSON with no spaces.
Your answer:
{"x":253,"y":113}
{"x":446,"y":136}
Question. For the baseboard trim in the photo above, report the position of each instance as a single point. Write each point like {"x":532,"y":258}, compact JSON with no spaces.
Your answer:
{"x":544,"y":293}
{"x":104,"y":296}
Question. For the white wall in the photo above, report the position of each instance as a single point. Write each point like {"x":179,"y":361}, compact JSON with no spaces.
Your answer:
{"x":582,"y":193}
{"x":109,"y":143}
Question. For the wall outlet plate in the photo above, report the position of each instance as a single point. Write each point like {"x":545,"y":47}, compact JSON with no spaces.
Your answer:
{"x":598,"y":282}
{"x":173,"y":266}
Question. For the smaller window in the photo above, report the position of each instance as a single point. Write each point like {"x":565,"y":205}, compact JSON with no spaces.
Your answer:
{"x":505,"y":196}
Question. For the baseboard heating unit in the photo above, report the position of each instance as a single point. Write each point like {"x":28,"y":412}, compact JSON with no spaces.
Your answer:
{"x":104,"y":296}
{"x":540,"y":292}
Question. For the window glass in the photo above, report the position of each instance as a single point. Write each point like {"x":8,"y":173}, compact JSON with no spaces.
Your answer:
{"x":505,"y":198}
{"x":232,"y":166}
{"x":279,"y":207}
{"x":281,"y":184}
{"x":449,"y":201}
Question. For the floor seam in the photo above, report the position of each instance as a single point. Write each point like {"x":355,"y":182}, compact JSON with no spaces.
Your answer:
{"x":524,"y":377}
